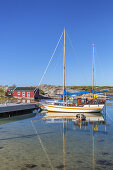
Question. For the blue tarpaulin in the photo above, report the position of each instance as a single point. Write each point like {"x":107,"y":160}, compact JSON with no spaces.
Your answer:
{"x":94,"y":92}
{"x":65,"y":93}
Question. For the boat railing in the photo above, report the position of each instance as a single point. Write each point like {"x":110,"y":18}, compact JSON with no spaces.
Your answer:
{"x":93,"y":101}
{"x":71,"y":104}
{"x":58,"y":102}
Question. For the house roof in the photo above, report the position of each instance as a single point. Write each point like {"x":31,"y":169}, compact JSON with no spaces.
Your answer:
{"x":10,"y":88}
{"x":24,"y":88}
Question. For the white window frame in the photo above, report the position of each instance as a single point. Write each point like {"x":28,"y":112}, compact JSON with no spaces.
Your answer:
{"x":23,"y":94}
{"x":18,"y":93}
{"x":28,"y":94}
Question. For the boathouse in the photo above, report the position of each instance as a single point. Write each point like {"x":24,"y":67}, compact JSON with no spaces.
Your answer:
{"x":25,"y":92}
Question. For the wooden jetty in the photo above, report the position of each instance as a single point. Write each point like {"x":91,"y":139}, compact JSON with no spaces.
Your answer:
{"x":14,"y":109}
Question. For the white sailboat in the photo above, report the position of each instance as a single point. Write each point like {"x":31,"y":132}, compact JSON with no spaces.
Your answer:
{"x":77,"y":105}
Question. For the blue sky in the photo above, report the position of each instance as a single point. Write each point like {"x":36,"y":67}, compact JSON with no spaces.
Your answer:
{"x":30,"y":30}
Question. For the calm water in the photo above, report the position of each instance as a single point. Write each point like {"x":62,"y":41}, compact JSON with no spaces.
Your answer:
{"x":46,"y":141}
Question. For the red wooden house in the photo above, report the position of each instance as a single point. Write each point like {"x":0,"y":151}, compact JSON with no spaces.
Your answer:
{"x":25,"y":92}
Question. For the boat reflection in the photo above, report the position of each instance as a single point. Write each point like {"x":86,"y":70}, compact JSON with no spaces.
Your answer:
{"x":87,"y":117}
{"x":17,"y":118}
{"x":80,"y":122}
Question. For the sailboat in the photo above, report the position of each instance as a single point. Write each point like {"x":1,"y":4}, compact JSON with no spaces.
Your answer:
{"x":77,"y":105}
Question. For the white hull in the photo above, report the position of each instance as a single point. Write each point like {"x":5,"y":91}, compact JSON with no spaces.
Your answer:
{"x":79,"y":109}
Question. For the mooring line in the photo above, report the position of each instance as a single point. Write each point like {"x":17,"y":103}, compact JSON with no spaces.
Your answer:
{"x":44,"y":149}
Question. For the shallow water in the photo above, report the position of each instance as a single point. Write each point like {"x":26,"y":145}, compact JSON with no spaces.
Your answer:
{"x":48,"y":141}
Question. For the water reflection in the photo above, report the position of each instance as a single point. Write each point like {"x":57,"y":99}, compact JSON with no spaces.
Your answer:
{"x":16,"y":118}
{"x":90,"y":117}
{"x":57,"y":141}
{"x":80,"y":122}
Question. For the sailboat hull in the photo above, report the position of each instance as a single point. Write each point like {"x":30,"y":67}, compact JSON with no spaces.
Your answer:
{"x":79,"y":109}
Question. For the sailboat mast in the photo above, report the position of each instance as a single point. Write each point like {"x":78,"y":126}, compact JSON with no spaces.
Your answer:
{"x":93,"y":70}
{"x":64,"y":69}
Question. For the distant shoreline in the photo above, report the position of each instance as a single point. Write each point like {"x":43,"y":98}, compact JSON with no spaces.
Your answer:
{"x":49,"y":88}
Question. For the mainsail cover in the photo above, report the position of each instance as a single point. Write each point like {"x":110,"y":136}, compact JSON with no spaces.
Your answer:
{"x":103,"y":91}
{"x":65,"y":93}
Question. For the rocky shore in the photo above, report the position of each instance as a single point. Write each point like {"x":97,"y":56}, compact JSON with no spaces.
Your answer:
{"x":53,"y":91}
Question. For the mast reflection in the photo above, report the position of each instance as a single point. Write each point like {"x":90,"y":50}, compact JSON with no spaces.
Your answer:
{"x":79,"y":122}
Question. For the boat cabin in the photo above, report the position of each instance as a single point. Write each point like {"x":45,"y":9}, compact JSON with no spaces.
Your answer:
{"x":81,"y":101}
